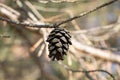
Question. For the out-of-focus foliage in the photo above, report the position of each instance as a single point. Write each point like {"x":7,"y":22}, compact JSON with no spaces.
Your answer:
{"x":15,"y":60}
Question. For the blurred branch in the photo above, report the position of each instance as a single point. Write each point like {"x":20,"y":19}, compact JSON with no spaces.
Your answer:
{"x":56,"y":1}
{"x":85,"y":71}
{"x":99,"y":33}
{"x":7,"y":11}
{"x":77,"y":27}
{"x":41,"y":8}
{"x":107,"y":55}
{"x":34,"y":10}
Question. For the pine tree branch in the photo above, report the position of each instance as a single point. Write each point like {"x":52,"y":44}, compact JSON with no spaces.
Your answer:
{"x":86,"y":13}
{"x":56,"y":24}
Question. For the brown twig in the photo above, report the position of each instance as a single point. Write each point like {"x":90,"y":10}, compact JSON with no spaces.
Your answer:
{"x":87,"y":12}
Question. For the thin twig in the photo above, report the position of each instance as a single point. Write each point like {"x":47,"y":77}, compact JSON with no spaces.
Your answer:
{"x":86,"y":71}
{"x":89,"y":71}
{"x":86,"y":13}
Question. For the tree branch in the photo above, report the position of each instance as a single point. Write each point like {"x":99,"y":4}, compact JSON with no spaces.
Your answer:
{"x":46,"y":25}
{"x":87,"y":12}
{"x":106,"y":55}
{"x":25,"y":24}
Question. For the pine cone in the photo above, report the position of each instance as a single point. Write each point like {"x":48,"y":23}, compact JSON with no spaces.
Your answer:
{"x":59,"y":41}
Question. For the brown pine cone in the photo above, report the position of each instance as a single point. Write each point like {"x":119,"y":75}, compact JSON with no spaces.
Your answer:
{"x":59,"y":41}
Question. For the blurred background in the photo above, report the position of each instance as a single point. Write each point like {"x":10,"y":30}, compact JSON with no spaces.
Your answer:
{"x":95,"y":38}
